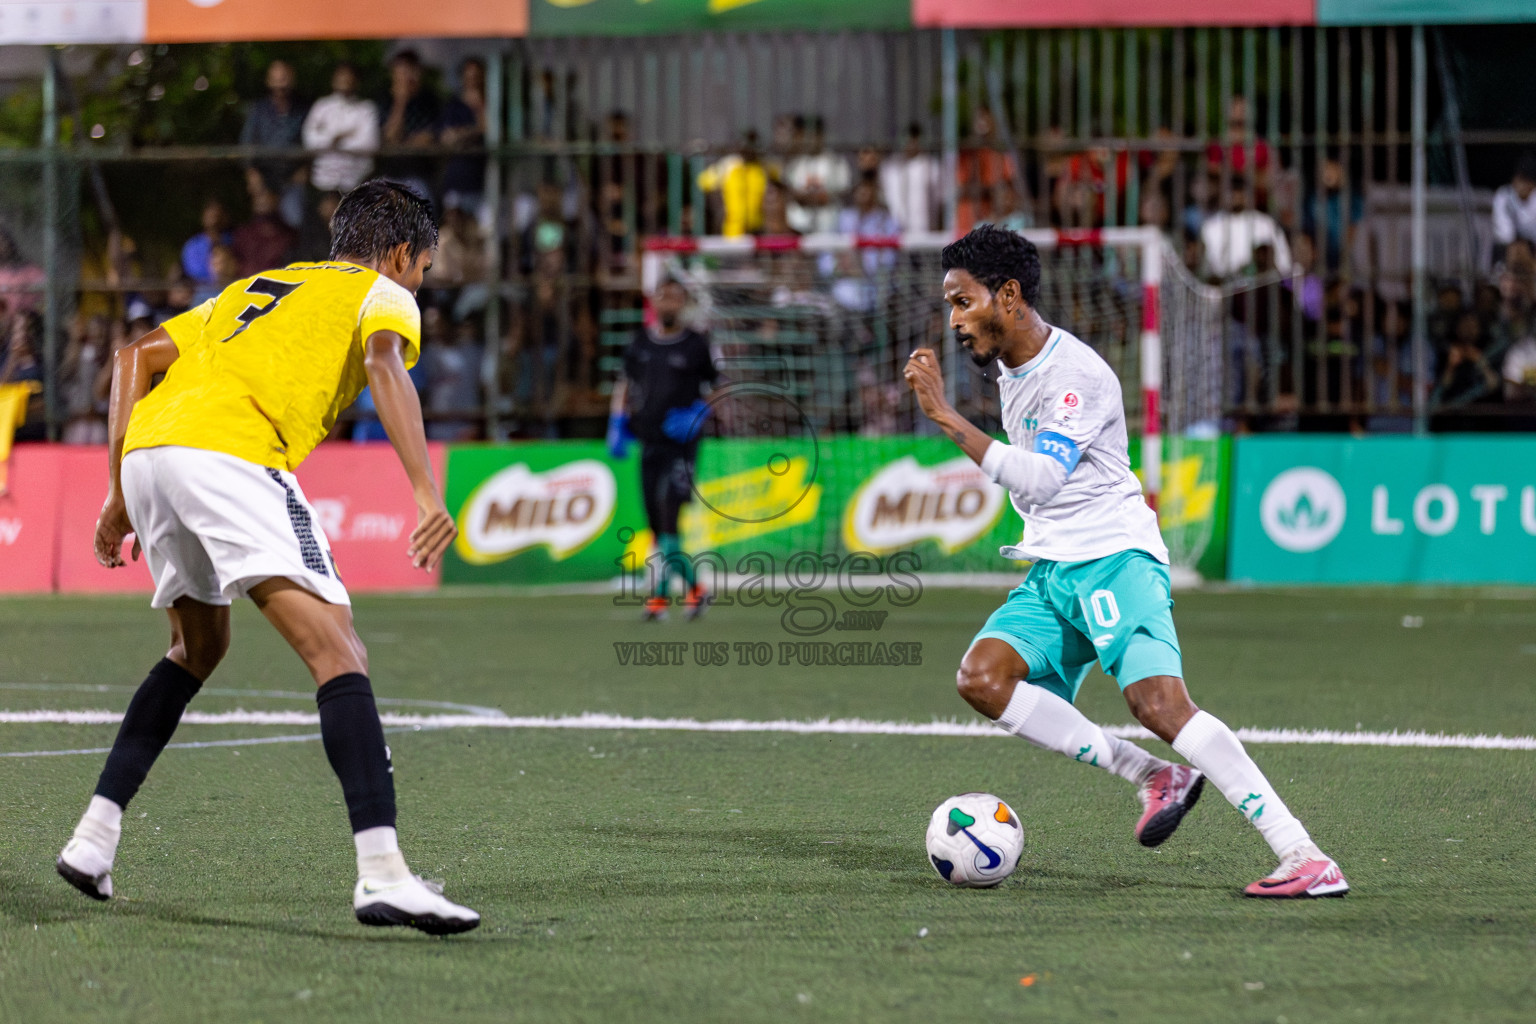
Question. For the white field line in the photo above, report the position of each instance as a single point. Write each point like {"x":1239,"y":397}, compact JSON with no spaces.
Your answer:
{"x":844,"y":726}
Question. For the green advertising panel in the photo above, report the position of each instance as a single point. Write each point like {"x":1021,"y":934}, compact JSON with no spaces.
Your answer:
{"x":654,"y":17}
{"x":554,"y":512}
{"x":537,"y":513}
{"x":1424,"y":12}
{"x":1385,"y":510}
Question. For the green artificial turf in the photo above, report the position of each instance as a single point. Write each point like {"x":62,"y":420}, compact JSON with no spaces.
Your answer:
{"x":667,"y":876}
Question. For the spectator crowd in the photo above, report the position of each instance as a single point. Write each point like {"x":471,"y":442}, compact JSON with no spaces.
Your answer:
{"x":1315,"y":319}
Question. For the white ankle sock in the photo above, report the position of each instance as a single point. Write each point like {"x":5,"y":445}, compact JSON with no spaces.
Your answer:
{"x":378,"y":855}
{"x":1210,"y":746}
{"x":101,"y":827}
{"x":1044,"y":719}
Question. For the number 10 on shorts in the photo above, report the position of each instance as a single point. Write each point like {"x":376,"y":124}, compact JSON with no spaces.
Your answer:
{"x":1105,"y":611}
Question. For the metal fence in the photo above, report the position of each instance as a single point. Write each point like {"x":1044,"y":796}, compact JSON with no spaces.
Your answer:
{"x":1334,"y":187}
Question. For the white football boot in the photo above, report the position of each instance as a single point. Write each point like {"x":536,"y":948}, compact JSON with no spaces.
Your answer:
{"x":414,"y":902}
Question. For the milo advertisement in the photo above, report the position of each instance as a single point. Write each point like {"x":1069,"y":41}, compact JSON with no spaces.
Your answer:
{"x":557,"y":512}
{"x":536,"y":513}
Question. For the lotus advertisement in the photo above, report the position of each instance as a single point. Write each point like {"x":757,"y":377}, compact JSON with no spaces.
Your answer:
{"x":1451,"y":509}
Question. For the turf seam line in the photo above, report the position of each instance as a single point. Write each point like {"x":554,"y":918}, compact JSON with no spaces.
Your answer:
{"x":839,"y":726}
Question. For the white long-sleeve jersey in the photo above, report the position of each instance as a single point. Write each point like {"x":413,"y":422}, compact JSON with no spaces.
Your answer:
{"x":1067,"y":465}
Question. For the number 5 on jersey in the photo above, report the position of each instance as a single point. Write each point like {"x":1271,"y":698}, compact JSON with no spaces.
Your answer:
{"x":278,"y":290}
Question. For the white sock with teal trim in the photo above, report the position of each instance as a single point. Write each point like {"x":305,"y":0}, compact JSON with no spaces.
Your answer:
{"x":378,"y":855}
{"x":1044,"y":719}
{"x":1210,"y":746}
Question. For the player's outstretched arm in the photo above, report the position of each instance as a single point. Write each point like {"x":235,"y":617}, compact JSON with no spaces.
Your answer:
{"x":1036,"y":477}
{"x":133,"y":368}
{"x":400,"y":411}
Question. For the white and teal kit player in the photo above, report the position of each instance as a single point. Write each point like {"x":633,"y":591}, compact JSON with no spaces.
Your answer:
{"x":1099,"y":591}
{"x":1099,"y":588}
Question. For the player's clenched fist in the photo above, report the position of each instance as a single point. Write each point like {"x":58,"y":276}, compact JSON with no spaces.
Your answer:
{"x":926,"y":381}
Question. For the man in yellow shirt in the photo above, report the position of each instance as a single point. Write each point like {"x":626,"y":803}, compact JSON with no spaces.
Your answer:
{"x":201,"y":474}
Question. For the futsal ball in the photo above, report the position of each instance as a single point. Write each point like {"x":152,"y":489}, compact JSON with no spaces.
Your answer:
{"x":974,"y":840}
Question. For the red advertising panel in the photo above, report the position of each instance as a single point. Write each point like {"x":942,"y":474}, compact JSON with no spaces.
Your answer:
{"x":29,"y":520}
{"x":199,"y":21}
{"x":1098,"y":13}
{"x":82,"y":488}
{"x":363,"y":501}
{"x":361,"y":498}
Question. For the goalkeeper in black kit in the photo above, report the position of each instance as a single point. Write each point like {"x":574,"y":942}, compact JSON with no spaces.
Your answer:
{"x":659,"y":402}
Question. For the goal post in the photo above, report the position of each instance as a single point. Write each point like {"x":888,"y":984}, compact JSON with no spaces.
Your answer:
{"x":830,"y":318}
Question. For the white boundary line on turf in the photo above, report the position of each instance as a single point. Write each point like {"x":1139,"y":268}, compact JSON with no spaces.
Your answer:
{"x":839,"y":726}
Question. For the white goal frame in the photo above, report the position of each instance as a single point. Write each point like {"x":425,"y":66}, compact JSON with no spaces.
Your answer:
{"x":1148,"y":240}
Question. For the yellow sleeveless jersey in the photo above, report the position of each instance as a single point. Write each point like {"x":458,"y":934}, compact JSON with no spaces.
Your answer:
{"x":266,"y":367}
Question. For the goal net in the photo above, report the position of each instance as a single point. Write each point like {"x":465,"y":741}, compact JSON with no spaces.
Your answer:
{"x":812,"y":333}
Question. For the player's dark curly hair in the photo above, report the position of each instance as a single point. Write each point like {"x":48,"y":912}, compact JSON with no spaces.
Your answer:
{"x":377,"y":216}
{"x":994,"y":257}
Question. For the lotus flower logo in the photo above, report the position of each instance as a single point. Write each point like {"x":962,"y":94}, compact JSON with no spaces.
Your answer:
{"x":1302,"y":509}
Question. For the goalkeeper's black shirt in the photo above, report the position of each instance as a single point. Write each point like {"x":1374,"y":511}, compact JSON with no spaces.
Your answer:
{"x":664,"y":374}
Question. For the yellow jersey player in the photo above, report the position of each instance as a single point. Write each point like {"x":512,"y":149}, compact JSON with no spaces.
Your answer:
{"x":201,"y":474}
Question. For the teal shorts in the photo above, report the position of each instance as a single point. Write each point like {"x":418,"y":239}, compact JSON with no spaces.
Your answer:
{"x":1067,"y":615}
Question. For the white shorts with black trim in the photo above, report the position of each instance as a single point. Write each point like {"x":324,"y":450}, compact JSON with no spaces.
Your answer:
{"x":213,"y":526}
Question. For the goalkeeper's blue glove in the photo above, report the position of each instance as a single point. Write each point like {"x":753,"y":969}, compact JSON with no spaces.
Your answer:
{"x":685,"y":424}
{"x":619,"y":435}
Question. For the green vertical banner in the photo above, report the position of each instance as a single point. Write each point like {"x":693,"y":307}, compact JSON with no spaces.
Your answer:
{"x":654,"y":17}
{"x":1385,"y":510}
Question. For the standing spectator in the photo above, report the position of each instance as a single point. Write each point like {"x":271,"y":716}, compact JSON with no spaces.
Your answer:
{"x":1341,"y":209}
{"x":776,"y":210}
{"x":315,"y":234}
{"x":1235,"y":154}
{"x":1516,"y":318}
{"x":1231,"y":236}
{"x":20,"y":281}
{"x":1520,"y":372}
{"x":817,"y":179}
{"x":866,"y":217}
{"x":463,"y":128}
{"x":343,"y":130}
{"x":910,"y":181}
{"x":459,"y":267}
{"x":741,"y":182}
{"x":225,"y":267}
{"x":982,"y":169}
{"x":1514,"y":206}
{"x":83,"y":360}
{"x":786,"y":143}
{"x":198,"y":249}
{"x":1468,"y":376}
{"x":177,"y":299}
{"x":453,"y":382}
{"x":411,"y":119}
{"x":265,"y":241}
{"x":276,"y":121}
{"x":23,"y":365}
{"x":855,"y":272}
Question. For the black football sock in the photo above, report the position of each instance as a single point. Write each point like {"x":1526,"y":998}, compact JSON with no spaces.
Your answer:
{"x":354,"y":743}
{"x":147,"y":727}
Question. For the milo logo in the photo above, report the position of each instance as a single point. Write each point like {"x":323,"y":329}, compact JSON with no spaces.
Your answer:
{"x":564,"y":509}
{"x":952,"y":503}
